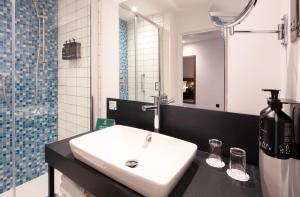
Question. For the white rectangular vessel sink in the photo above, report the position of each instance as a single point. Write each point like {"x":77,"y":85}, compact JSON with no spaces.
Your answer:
{"x":160,"y":163}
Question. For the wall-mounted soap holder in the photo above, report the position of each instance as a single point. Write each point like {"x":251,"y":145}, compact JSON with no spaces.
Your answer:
{"x":71,"y":50}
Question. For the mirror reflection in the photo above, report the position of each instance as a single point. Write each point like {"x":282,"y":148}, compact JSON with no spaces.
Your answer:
{"x":171,"y":48}
{"x":229,"y":13}
{"x":139,"y":55}
{"x":203,"y":70}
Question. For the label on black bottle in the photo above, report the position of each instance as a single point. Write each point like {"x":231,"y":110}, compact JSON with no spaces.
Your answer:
{"x":263,"y":140}
{"x":286,"y":139}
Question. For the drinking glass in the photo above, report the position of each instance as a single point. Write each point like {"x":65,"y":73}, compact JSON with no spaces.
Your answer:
{"x":237,"y":164}
{"x":214,"y":159}
{"x":237,"y":159}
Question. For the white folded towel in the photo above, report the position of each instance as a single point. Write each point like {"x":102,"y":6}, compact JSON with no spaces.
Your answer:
{"x":69,"y":188}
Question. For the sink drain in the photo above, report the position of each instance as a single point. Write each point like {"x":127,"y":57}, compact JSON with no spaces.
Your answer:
{"x":132,"y":163}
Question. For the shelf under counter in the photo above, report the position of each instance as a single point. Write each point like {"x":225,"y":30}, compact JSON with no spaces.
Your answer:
{"x":199,"y":180}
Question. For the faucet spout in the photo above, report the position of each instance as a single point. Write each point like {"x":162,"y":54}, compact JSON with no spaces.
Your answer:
{"x":156,"y":108}
{"x":149,"y":107}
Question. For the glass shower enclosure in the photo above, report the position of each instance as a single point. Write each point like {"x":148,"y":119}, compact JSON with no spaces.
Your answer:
{"x":40,"y":93}
{"x":139,"y":55}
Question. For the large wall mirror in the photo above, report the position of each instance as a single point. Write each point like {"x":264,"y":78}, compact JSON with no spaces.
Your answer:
{"x":173,"y":48}
{"x":203,"y":70}
{"x":139,"y":55}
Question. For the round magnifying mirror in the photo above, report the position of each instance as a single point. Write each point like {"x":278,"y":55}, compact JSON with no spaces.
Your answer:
{"x":227,"y":13}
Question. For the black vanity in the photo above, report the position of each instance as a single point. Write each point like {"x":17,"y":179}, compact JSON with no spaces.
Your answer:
{"x":194,"y":125}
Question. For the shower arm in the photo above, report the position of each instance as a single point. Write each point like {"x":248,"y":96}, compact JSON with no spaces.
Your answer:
{"x":43,"y":18}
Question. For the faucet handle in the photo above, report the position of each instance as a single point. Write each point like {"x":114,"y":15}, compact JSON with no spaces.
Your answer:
{"x":170,"y":101}
{"x":156,"y":99}
{"x":164,"y":100}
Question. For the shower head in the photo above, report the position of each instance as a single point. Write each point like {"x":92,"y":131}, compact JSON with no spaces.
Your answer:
{"x":36,"y":8}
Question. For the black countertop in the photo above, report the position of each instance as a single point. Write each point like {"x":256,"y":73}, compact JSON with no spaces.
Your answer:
{"x":199,"y":180}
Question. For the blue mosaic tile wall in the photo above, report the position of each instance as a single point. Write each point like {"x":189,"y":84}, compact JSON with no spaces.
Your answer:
{"x":5,"y":114}
{"x":36,"y":119}
{"x":123,"y":59}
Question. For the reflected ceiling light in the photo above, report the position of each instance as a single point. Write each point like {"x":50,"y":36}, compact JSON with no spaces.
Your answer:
{"x":134,"y":9}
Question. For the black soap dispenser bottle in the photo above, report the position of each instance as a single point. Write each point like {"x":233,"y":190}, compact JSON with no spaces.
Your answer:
{"x":276,"y":129}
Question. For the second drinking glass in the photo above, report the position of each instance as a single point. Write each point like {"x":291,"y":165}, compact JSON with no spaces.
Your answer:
{"x":214,"y":159}
{"x":237,"y":164}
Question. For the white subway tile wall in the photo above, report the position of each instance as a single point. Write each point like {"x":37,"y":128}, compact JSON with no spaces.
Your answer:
{"x":147,"y":58}
{"x":74,"y":75}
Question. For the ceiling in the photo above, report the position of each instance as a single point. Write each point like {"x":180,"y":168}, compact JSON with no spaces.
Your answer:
{"x":151,"y":7}
{"x":192,"y":38}
{"x":126,"y":15}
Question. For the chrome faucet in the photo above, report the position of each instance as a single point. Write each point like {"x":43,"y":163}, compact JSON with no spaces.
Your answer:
{"x":156,"y":108}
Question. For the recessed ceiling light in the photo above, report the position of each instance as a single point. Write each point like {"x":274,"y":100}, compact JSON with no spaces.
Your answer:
{"x":134,"y":9}
{"x":183,"y":41}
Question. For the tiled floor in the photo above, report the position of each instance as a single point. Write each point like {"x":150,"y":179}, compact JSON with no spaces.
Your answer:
{"x":37,"y":187}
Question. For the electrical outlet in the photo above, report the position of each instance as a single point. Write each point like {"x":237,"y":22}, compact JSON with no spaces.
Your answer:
{"x":112,"y":105}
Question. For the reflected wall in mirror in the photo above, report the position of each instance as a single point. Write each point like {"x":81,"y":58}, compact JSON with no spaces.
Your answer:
{"x":203,"y":70}
{"x":139,"y":55}
{"x":151,"y":50}
{"x":227,"y":14}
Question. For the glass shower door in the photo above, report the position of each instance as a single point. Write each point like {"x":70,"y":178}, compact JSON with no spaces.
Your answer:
{"x":36,"y":64}
{"x":28,"y":96}
{"x":148,"y":65}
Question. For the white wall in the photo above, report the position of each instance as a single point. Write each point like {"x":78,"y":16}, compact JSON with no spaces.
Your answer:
{"x":74,"y":75}
{"x":209,"y":72}
{"x":108,"y":52}
{"x":253,"y":60}
{"x":256,"y":62}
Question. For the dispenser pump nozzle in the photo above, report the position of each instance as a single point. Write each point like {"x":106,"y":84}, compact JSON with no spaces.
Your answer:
{"x":274,"y":93}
